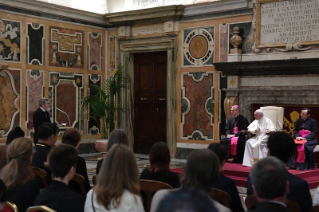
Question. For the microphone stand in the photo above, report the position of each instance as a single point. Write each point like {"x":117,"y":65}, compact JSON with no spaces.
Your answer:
{"x":65,"y":114}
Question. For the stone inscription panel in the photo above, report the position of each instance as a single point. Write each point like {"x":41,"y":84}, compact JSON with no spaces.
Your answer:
{"x":288,"y":21}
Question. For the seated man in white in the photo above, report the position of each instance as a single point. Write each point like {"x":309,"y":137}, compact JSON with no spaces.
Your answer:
{"x":256,"y":147}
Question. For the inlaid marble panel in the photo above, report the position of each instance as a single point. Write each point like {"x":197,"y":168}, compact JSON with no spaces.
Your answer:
{"x":197,"y":106}
{"x":10,"y":40}
{"x":222,"y":95}
{"x":67,"y":93}
{"x":223,"y":42}
{"x":93,"y":126}
{"x":95,"y":51}
{"x":198,"y":47}
{"x":35,"y":44}
{"x":35,"y":86}
{"x":9,"y":100}
{"x":247,"y":35}
{"x":66,"y":48}
{"x":112,"y":59}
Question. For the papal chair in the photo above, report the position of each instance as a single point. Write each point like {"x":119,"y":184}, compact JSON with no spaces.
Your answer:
{"x":275,"y":114}
{"x":221,"y":196}
{"x":10,"y":207}
{"x":40,"y":208}
{"x":149,"y":188}
{"x":41,"y":174}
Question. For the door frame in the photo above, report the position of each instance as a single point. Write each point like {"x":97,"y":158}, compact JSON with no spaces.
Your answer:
{"x":127,"y":48}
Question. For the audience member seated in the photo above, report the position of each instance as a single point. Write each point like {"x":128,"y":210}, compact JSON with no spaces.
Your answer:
{"x":270,"y":184}
{"x":72,"y":137}
{"x":3,"y":156}
{"x":117,"y":187}
{"x":191,"y":200}
{"x":159,"y":169}
{"x":235,"y":140}
{"x":305,"y":133}
{"x":13,"y":134}
{"x":225,"y":183}
{"x":255,"y":148}
{"x":3,"y":195}
{"x":17,"y":174}
{"x":62,"y":161}
{"x":201,"y":172}
{"x":47,"y":135}
{"x":282,"y":146}
{"x":118,"y":136}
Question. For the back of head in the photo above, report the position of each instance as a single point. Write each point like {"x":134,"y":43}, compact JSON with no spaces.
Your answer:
{"x":17,"y":171}
{"x":118,"y":172}
{"x":269,"y":177}
{"x":159,"y":157}
{"x":46,"y":130}
{"x":13,"y":134}
{"x":61,"y":158}
{"x":186,"y":200}
{"x":201,"y":170}
{"x":71,"y":136}
{"x":219,"y":150}
{"x":281,"y":145}
{"x":118,"y":136}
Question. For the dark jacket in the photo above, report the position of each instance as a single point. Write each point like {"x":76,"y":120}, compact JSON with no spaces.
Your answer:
{"x":40,"y":157}
{"x":165,"y":176}
{"x":80,"y":169}
{"x":39,"y":117}
{"x":269,"y":207}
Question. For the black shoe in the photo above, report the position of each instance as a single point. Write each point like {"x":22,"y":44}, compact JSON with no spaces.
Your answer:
{"x":234,"y":161}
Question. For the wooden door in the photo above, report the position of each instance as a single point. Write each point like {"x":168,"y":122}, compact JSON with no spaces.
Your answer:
{"x":150,"y":70}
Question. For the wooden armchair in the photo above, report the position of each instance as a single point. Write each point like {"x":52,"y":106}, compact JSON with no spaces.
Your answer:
{"x":315,"y":208}
{"x":251,"y":202}
{"x":149,"y":188}
{"x":221,"y":196}
{"x":40,"y":208}
{"x":80,"y":180}
{"x":10,"y":207}
{"x":293,"y":206}
{"x":41,"y":174}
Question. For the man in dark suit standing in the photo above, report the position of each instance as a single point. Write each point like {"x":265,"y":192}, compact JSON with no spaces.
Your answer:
{"x":40,"y":116}
{"x":62,"y":161}
{"x":282,"y":146}
{"x":270,"y":185}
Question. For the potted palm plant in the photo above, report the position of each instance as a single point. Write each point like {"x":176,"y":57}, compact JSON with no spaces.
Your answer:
{"x":102,"y":105}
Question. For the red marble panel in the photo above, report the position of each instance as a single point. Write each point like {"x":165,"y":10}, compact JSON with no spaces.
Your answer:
{"x":95,"y":48}
{"x":197,"y":118}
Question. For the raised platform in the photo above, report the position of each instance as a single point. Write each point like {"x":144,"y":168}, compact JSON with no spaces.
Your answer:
{"x":239,"y":173}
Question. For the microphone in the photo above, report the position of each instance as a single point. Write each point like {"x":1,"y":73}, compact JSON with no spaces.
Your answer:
{"x":65,"y":114}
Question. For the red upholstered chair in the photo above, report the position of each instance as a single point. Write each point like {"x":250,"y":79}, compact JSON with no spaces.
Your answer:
{"x":40,"y":208}
{"x":10,"y":207}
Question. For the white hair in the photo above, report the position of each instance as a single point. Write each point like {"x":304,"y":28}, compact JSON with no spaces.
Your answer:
{"x":260,"y":112}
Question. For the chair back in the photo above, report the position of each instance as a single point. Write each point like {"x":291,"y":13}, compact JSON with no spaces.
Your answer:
{"x":275,"y":114}
{"x":40,"y":208}
{"x":94,"y":179}
{"x":221,"y":196}
{"x":10,"y":207}
{"x":251,"y":202}
{"x":80,"y":180}
{"x":41,"y":174}
{"x":150,"y":187}
{"x":293,"y":206}
{"x":315,"y":208}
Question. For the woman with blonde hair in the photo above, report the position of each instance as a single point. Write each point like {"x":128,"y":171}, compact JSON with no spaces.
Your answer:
{"x":17,"y":174}
{"x":117,"y":187}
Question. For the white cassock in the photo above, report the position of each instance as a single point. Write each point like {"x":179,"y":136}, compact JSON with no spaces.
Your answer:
{"x":256,"y":147}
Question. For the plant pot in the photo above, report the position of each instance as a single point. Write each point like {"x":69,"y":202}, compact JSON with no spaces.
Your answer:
{"x":100,"y":146}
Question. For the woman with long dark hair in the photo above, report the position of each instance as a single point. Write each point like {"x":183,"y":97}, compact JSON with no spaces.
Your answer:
{"x":159,"y":166}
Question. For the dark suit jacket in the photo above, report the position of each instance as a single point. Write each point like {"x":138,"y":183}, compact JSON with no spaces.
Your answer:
{"x":80,"y":169}
{"x":269,"y":207}
{"x":98,"y":166}
{"x":60,"y":198}
{"x":228,"y":185}
{"x":39,"y":117}
{"x":165,"y":176}
{"x":298,"y":192}
{"x":40,"y":156}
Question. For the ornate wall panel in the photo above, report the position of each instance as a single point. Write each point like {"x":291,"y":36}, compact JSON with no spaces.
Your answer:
{"x":66,"y":91}
{"x":222,"y":96}
{"x":10,"y":40}
{"x":112,"y":54}
{"x":35,"y":44}
{"x":66,"y":48}
{"x":95,"y":51}
{"x":247,"y":35}
{"x":34,"y":91}
{"x":198,"y":47}
{"x":9,"y":100}
{"x":223,"y":42}
{"x":197,"y":106}
{"x":93,"y":126}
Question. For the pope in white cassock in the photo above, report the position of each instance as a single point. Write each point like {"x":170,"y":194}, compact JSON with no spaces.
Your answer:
{"x":256,"y":147}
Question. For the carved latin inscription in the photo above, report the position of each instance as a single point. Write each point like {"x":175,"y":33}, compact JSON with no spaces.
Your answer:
{"x":293,"y":21}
